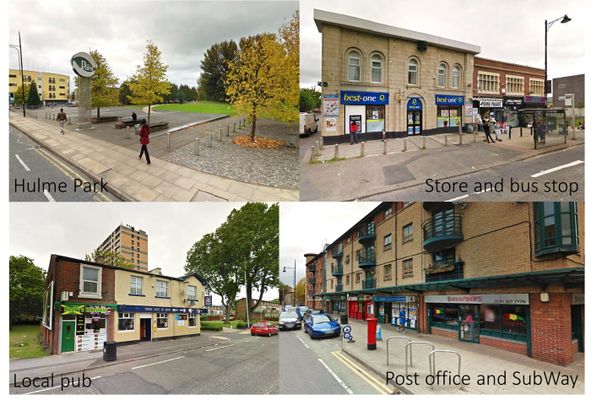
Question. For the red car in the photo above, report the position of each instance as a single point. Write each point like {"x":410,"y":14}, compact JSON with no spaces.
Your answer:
{"x":263,"y":329}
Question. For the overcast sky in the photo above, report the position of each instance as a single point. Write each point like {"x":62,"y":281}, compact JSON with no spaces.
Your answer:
{"x":38,"y":230}
{"x":307,"y":226}
{"x":506,"y":30}
{"x":52,"y":31}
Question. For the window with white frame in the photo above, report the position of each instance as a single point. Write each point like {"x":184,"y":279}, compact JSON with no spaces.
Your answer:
{"x":455,"y":77}
{"x":191,"y":293}
{"x":488,"y":82}
{"x":126,"y":321}
{"x":354,"y":63}
{"x":135,"y":285}
{"x":192,"y":320}
{"x":162,"y":321}
{"x":413,"y":71}
{"x":536,"y":87}
{"x":441,"y":74}
{"x":161,"y":289}
{"x":515,"y":84}
{"x":90,"y":281}
{"x":376,"y":68}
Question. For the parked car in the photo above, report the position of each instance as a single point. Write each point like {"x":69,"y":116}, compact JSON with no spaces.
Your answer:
{"x":263,"y":328}
{"x":308,"y":124}
{"x":322,"y":325}
{"x":289,"y":321}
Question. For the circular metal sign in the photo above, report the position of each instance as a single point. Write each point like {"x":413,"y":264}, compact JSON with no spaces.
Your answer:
{"x":83,"y":64}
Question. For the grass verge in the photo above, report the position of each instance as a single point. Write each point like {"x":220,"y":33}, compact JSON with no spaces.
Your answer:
{"x":24,"y":342}
{"x":204,"y":107}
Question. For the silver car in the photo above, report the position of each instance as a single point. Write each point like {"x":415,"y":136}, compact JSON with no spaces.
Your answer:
{"x":289,"y":321}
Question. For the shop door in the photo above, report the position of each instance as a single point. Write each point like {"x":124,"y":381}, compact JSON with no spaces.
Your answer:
{"x":145,"y":329}
{"x":414,"y":122}
{"x":470,"y":323}
{"x":577,"y":321}
{"x":68,"y":333}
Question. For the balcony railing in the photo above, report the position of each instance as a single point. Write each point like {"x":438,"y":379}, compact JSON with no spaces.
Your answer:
{"x":339,"y":288}
{"x":369,"y":283}
{"x":367,"y":233}
{"x":312,"y":280}
{"x":441,"y":232}
{"x":337,"y":270}
{"x":337,"y":251}
{"x":451,"y":271}
{"x":367,"y":258}
{"x":312,"y":269}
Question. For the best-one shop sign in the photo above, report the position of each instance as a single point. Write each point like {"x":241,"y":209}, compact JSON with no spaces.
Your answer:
{"x":363,"y":98}
{"x":446,"y":99}
{"x":144,"y":308}
{"x":499,"y":299}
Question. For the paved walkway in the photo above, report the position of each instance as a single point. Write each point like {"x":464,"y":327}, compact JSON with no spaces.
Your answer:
{"x":132,"y":179}
{"x":476,"y":360}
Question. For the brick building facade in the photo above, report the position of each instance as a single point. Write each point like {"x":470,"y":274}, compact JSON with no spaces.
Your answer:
{"x":509,"y":275}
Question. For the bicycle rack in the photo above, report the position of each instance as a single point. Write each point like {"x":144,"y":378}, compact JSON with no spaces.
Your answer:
{"x":388,"y":346}
{"x":432,"y":360}
{"x":406,"y":350}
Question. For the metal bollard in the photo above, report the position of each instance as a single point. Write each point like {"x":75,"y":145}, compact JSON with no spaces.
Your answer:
{"x":385,"y":147}
{"x":196,"y":148}
{"x":404,"y":146}
{"x":168,"y":133}
{"x":336,"y":151}
{"x":362,"y":149}
{"x":228,"y":134}
{"x":220,"y":136}
{"x":312,"y":154}
{"x":424,"y":138}
{"x":234,"y":128}
{"x":444,"y":140}
{"x":317,"y":148}
{"x":461,"y":138}
{"x":210,"y":136}
{"x":127,"y":130}
{"x":220,"y":131}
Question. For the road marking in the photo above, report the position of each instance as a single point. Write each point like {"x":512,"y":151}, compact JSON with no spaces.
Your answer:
{"x":371,"y":380}
{"x":48,"y":195}
{"x":158,"y":362}
{"x":220,"y":347}
{"x":53,"y":388}
{"x":304,"y":343}
{"x":336,"y":377}
{"x":555,"y":169}
{"x":458,"y":198}
{"x":21,"y":162}
{"x":220,"y":337}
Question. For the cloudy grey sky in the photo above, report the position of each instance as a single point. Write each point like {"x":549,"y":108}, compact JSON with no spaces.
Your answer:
{"x":52,"y":31}
{"x":38,"y":230}
{"x":305,"y":227}
{"x":506,"y":30}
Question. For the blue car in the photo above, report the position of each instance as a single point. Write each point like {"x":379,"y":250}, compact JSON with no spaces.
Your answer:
{"x":322,"y":325}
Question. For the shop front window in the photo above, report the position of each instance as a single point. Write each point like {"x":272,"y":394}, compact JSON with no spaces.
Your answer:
{"x":375,"y":118}
{"x":448,"y":116}
{"x":504,"y":321}
{"x":376,"y":69}
{"x":444,"y":316}
{"x":126,"y":322}
{"x":162,"y":321}
{"x":413,"y":71}
{"x":192,"y":321}
{"x":441,"y":73}
{"x":555,"y":227}
{"x":354,"y":66}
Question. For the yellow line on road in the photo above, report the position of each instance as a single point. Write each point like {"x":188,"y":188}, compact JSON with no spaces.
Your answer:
{"x":371,"y":380}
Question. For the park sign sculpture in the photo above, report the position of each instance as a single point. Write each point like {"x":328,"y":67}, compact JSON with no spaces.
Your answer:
{"x":83,"y":64}
{"x":85,"y":67}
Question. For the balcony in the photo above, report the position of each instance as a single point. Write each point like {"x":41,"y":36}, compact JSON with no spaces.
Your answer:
{"x":367,"y":258}
{"x":442,"y":232}
{"x":337,"y":270}
{"x":369,"y":283}
{"x":339,"y":288}
{"x":312,"y":280}
{"x":367,"y":233}
{"x":337,"y":252}
{"x":312,"y":269}
{"x":451,"y":271}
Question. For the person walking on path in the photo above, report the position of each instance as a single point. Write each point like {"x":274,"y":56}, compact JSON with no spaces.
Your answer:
{"x":134,"y":117}
{"x":145,"y":140}
{"x":353,"y":132}
{"x":486,"y":128}
{"x":61,"y":119}
{"x":402,"y":317}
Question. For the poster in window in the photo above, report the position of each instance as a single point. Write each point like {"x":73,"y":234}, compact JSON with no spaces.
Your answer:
{"x":330,"y":105}
{"x":330,"y":125}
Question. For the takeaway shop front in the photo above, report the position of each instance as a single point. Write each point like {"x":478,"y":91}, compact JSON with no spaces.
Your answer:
{"x":367,"y":109}
{"x":388,"y":309}
{"x":83,"y":326}
{"x":500,"y":320}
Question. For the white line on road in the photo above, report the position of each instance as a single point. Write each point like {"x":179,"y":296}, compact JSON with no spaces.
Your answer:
{"x":371,"y":380}
{"x":304,"y":343}
{"x":336,"y":377}
{"x":220,"y":347}
{"x":22,"y":163}
{"x":159,"y":362}
{"x":48,"y":195}
{"x":53,"y":388}
{"x":555,"y":169}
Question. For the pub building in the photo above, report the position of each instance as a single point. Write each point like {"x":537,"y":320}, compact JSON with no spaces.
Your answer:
{"x":392,"y":82}
{"x":86,"y":304}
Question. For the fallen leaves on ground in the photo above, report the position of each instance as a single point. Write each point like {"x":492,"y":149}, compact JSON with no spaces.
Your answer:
{"x":259,"y":142}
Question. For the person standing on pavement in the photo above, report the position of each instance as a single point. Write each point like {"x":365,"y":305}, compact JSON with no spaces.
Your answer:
{"x":486,"y":128}
{"x":134,"y":117}
{"x":145,"y":139}
{"x":353,"y":132}
{"x":402,"y":317}
{"x":61,"y":119}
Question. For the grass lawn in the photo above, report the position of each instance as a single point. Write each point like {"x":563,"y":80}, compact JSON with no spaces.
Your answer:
{"x":24,"y":342}
{"x":204,"y":107}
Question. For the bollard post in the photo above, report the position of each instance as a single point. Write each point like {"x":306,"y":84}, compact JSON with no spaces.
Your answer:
{"x":424,"y":146}
{"x":196,"y":149}
{"x":127,"y":132}
{"x":209,"y":134}
{"x":228,"y":133}
{"x":385,"y":147}
{"x":336,"y":151}
{"x":220,"y":131}
{"x":168,"y":133}
{"x":45,"y":114}
{"x":234,"y":128}
{"x":312,"y":154}
{"x":220,"y":136}
{"x":444,"y":140}
{"x":404,"y":146}
{"x":460,"y":138}
{"x":362,"y":149}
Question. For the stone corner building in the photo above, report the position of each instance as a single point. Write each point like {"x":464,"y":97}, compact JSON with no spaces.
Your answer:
{"x":508,"y":275}
{"x":391,"y":80}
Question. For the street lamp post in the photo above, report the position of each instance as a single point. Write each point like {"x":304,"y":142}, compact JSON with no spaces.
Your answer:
{"x":19,"y":49}
{"x":547,"y":26}
{"x":294,"y":279}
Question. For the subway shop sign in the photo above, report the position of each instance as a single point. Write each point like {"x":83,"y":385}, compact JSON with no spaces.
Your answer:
{"x":363,"y":98}
{"x":446,"y":99}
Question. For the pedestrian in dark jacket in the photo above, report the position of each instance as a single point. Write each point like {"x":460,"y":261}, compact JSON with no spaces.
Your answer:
{"x":145,"y":140}
{"x":486,"y":127}
{"x":134,"y":117}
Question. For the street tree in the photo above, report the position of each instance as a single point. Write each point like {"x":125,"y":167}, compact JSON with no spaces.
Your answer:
{"x":287,"y":104}
{"x":309,"y":100}
{"x":18,"y":94}
{"x":300,"y":291}
{"x":214,"y":68}
{"x":124,"y":93}
{"x":27,"y":286}
{"x":215,"y":261}
{"x":103,"y":84}
{"x":33,"y":100}
{"x":108,"y":257}
{"x":149,"y":84}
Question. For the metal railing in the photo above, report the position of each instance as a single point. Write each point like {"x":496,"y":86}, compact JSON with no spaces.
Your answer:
{"x":432,"y":369}
{"x":366,"y":232}
{"x":408,"y":347}
{"x":441,"y":226}
{"x":388,"y":346}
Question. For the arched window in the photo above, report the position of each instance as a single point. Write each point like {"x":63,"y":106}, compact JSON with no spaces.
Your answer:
{"x":354,"y":62}
{"x":413,"y":71}
{"x":441,"y":73}
{"x":455,"y":77}
{"x":376,"y":68}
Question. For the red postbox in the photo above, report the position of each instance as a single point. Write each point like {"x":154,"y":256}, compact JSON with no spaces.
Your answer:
{"x":372,"y":326}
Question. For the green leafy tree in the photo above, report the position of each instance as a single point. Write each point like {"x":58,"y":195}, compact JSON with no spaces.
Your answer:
{"x":108,"y":257}
{"x":309,"y":100}
{"x":33,"y":99}
{"x":214,"y":68}
{"x":149,"y":84}
{"x":103,"y":84}
{"x":124,"y":93}
{"x":27,"y":286}
{"x":18,"y":95}
{"x":173,"y":96}
{"x":286,"y":108}
{"x":300,"y":291}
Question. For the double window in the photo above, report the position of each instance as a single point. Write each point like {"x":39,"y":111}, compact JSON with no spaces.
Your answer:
{"x":126,"y":322}
{"x":162,"y":321}
{"x":555,"y":227}
{"x":191,"y":293}
{"x":90,"y":281}
{"x":161,"y":289}
{"x":135,"y":285}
